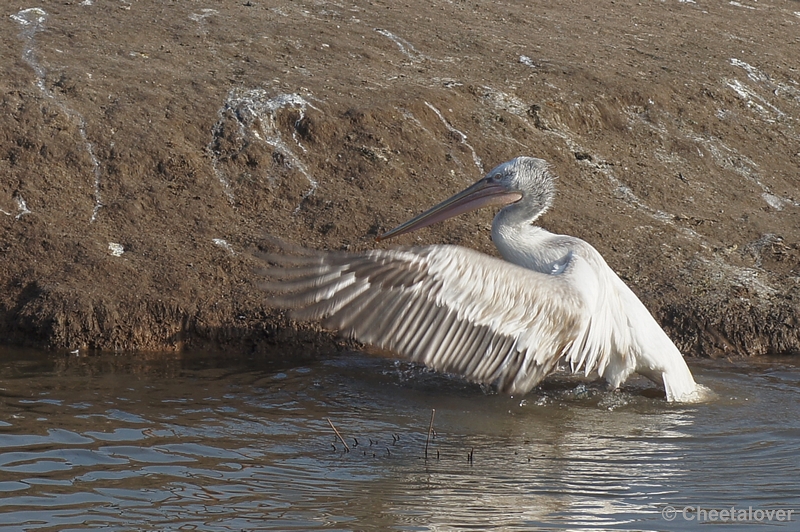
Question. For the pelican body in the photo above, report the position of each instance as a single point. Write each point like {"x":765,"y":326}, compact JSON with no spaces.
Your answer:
{"x":503,"y":322}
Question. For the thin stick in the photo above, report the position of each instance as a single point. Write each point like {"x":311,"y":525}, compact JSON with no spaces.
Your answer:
{"x":430,"y":429}
{"x":347,"y":449}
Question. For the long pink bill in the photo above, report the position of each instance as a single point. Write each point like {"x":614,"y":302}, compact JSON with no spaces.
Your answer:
{"x":484,"y":193}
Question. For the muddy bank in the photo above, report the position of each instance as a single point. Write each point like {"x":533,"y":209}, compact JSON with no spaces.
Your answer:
{"x":145,"y":148}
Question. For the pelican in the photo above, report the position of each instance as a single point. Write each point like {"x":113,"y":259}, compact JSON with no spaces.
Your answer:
{"x":503,"y":322}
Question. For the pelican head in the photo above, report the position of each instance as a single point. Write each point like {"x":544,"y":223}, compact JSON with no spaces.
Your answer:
{"x":524,"y":186}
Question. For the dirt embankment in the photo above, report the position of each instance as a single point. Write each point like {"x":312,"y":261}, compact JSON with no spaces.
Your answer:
{"x":146,"y":146}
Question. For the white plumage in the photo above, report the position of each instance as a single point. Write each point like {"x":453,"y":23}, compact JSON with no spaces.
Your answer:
{"x":492,"y":321}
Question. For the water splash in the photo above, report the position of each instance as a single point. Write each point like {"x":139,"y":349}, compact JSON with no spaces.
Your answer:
{"x":32,"y":21}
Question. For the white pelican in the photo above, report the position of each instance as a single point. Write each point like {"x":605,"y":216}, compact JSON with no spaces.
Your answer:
{"x":492,"y":321}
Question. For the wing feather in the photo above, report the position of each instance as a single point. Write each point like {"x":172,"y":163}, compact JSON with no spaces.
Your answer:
{"x":462,"y":330}
{"x":356,"y":311}
{"x":386,"y":323}
{"x":452,"y":309}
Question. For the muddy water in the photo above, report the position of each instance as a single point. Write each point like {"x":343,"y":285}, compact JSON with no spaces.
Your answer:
{"x":197,"y":442}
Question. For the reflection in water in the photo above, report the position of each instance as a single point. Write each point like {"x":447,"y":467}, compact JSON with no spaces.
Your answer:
{"x":227,"y":443}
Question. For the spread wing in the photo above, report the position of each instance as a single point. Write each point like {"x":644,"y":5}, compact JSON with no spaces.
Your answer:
{"x":452,"y":309}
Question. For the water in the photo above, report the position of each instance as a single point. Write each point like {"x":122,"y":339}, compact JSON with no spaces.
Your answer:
{"x":200,"y":442}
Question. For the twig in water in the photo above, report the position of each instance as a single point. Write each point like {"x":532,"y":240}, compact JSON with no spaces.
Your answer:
{"x":346,"y":448}
{"x":430,"y":429}
{"x":471,"y":455}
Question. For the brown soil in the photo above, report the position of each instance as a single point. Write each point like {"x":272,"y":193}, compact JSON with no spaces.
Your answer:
{"x":183,"y":133}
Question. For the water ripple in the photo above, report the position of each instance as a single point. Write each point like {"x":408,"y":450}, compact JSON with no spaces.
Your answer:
{"x":83,"y":445}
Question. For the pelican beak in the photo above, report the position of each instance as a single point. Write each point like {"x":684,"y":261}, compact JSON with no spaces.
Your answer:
{"x":484,"y":193}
